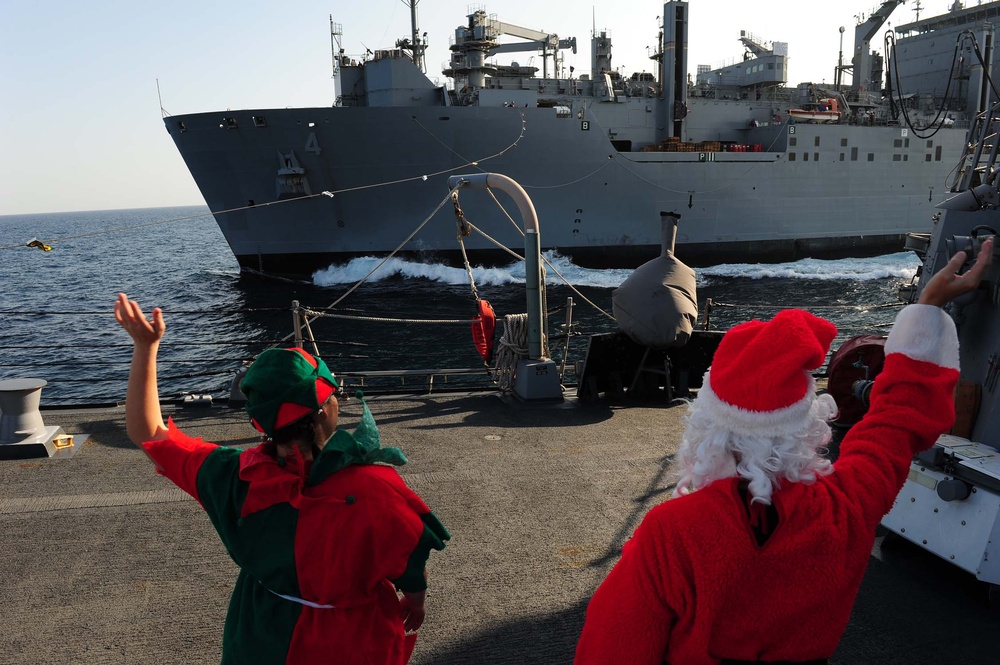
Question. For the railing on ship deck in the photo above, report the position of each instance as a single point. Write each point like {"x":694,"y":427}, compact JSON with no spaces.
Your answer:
{"x":192,"y":369}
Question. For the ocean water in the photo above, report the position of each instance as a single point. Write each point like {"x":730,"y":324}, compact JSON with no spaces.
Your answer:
{"x":56,"y":320}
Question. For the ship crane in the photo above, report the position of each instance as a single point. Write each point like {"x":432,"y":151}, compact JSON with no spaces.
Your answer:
{"x":548,"y":43}
{"x":479,"y":39}
{"x":861,"y":63}
{"x":754,"y":45}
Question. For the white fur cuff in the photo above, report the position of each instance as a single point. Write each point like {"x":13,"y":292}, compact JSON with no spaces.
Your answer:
{"x":924,"y":332}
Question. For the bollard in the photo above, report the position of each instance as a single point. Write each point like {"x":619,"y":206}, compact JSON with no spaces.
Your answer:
{"x":237,"y":400}
{"x":19,"y":415}
{"x":23,"y":435}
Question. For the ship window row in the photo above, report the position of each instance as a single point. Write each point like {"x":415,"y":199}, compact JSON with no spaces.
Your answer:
{"x":792,"y":156}
{"x":971,"y":18}
{"x":898,"y":157}
{"x":897,"y":143}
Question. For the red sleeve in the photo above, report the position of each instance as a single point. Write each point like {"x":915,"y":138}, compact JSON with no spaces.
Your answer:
{"x":401,"y":521}
{"x":912,"y":404}
{"x":626,"y":620}
{"x":179,"y":457}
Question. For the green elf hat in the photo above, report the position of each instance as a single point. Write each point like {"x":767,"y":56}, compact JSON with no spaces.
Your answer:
{"x":284,"y":385}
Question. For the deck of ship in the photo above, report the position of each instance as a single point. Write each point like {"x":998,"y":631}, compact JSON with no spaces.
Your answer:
{"x":106,"y":562}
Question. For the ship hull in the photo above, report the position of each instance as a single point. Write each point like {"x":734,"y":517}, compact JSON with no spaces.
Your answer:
{"x":807,"y":190}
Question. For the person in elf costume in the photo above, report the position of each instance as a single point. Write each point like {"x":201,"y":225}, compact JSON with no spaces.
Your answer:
{"x":323,"y":528}
{"x":760,"y":554}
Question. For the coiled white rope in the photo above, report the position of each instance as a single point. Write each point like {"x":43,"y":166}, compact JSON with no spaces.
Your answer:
{"x":513,"y":346}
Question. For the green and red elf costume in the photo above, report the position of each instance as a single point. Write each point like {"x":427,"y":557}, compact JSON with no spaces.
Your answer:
{"x":323,"y":544}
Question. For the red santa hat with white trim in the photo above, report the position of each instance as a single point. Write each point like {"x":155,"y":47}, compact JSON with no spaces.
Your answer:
{"x":761,"y":375}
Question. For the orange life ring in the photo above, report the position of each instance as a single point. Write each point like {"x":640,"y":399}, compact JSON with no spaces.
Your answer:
{"x":483,"y":326}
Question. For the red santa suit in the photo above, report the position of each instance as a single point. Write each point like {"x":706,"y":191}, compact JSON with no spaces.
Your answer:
{"x":698,"y":584}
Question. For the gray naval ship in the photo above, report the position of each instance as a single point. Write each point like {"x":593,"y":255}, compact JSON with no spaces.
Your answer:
{"x":756,"y":169}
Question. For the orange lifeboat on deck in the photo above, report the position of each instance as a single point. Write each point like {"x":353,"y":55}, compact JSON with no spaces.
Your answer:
{"x":825,"y":111}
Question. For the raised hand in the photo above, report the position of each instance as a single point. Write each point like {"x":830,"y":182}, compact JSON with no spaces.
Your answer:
{"x":130,"y":317}
{"x":143,"y":418}
{"x":946,"y":285}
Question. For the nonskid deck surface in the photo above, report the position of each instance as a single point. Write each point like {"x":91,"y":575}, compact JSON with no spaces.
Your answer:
{"x":105,"y":562}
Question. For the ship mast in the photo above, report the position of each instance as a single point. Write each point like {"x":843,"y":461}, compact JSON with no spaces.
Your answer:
{"x":337,"y":49}
{"x":416,"y":42}
{"x":336,"y":33}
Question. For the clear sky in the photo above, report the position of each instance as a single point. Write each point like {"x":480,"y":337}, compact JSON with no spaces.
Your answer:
{"x":80,"y":123}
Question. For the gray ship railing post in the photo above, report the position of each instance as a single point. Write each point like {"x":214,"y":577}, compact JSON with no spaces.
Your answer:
{"x":537,"y":377}
{"x":296,"y":324}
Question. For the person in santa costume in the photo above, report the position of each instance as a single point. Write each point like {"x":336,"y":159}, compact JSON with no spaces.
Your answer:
{"x":760,"y":554}
{"x":330,"y":542}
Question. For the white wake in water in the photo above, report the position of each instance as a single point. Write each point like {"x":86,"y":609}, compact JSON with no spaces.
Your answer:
{"x":902,"y":265}
{"x":356,"y":269}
